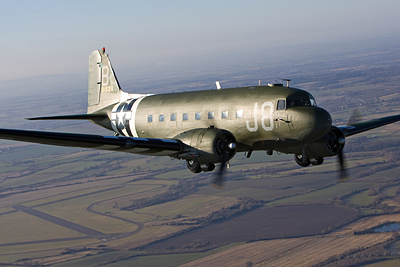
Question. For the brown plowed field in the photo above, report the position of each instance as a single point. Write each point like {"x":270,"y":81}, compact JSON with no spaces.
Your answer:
{"x":303,"y":251}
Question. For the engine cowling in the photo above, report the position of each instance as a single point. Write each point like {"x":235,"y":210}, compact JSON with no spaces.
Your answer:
{"x":329,"y":145}
{"x":208,"y":145}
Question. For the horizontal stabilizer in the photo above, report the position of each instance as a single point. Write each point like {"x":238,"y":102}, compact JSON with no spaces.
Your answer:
{"x":71,"y":117}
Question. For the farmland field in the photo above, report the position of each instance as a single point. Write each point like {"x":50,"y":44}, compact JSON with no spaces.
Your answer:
{"x":76,"y":207}
{"x":291,"y":220}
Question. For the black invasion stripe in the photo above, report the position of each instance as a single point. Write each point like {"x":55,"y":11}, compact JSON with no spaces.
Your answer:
{"x":116,"y":127}
{"x":128,"y":128}
{"x":129,"y":106}
{"x":120,"y":107}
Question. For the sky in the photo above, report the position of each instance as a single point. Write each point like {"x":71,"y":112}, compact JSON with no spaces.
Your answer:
{"x":55,"y":37}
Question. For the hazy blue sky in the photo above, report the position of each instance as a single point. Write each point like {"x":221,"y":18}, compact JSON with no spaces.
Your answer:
{"x":55,"y":37}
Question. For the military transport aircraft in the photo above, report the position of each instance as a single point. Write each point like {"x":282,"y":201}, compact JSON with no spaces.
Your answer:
{"x":203,"y":127}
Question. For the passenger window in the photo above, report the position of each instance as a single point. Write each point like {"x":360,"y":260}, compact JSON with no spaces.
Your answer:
{"x":161,"y":118}
{"x":150,"y":118}
{"x":239,"y":114}
{"x":210,"y":115}
{"x":224,"y":114}
{"x":185,"y":116}
{"x":197,"y":116}
{"x":173,"y":117}
{"x":281,"y":105}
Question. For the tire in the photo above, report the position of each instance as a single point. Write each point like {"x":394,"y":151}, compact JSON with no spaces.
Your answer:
{"x":193,"y":165}
{"x":302,"y":162}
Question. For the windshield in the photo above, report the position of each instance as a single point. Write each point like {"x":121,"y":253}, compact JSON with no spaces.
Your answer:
{"x":302,"y":102}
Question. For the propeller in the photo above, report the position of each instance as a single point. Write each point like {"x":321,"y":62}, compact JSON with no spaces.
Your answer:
{"x":336,"y":142}
{"x":226,"y":149}
{"x":342,"y":163}
{"x":219,"y":178}
{"x":355,"y":117}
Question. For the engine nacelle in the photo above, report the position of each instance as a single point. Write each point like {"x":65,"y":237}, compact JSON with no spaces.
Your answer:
{"x":208,"y":145}
{"x":329,"y":145}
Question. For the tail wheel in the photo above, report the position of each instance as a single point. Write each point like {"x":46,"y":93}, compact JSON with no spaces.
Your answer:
{"x":193,"y":165}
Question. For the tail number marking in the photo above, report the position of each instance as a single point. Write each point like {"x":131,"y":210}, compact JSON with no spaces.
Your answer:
{"x":266,"y":112}
{"x":105,"y":80}
{"x":104,"y":75}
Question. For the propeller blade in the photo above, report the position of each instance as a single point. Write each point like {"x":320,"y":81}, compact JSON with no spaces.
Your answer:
{"x":342,"y":165}
{"x":227,"y":147}
{"x":219,"y":178}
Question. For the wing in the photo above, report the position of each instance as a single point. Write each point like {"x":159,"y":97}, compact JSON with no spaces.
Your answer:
{"x":72,"y":117}
{"x":143,"y":146}
{"x":367,"y":125}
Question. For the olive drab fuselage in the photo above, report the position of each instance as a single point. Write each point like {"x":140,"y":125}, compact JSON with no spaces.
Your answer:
{"x":261,"y":117}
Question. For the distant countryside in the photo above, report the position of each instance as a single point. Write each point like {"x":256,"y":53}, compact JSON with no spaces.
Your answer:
{"x":78,"y":207}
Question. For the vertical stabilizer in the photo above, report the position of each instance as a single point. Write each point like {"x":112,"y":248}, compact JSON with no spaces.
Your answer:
{"x":103,"y":88}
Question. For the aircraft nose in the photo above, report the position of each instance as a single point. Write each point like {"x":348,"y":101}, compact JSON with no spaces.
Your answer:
{"x":320,"y":122}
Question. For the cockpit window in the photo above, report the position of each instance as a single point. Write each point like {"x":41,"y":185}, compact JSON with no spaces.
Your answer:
{"x":281,"y":105}
{"x":305,"y":102}
{"x":313,"y":102}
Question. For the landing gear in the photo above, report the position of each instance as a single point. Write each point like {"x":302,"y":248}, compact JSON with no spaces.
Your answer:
{"x":193,"y":165}
{"x":306,"y":161}
{"x":317,"y":161}
{"x":302,"y":161}
{"x":207,"y":167}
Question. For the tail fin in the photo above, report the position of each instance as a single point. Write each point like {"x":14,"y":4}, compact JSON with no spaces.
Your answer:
{"x":103,"y":89}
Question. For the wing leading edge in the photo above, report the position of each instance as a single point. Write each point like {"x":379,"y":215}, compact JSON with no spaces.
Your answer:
{"x":368,"y":125}
{"x":72,"y":117}
{"x":143,"y":146}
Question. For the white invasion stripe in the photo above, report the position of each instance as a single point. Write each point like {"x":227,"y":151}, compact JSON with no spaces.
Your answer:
{"x":127,"y":117}
{"x":114,"y":120}
{"x":132,"y":122}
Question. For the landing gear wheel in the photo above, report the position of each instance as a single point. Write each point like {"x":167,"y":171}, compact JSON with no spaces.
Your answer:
{"x":207,"y":167}
{"x":303,"y":162}
{"x":193,"y":165}
{"x":317,"y":161}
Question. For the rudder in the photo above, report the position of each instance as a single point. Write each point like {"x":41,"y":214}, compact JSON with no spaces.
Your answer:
{"x":103,"y":87}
